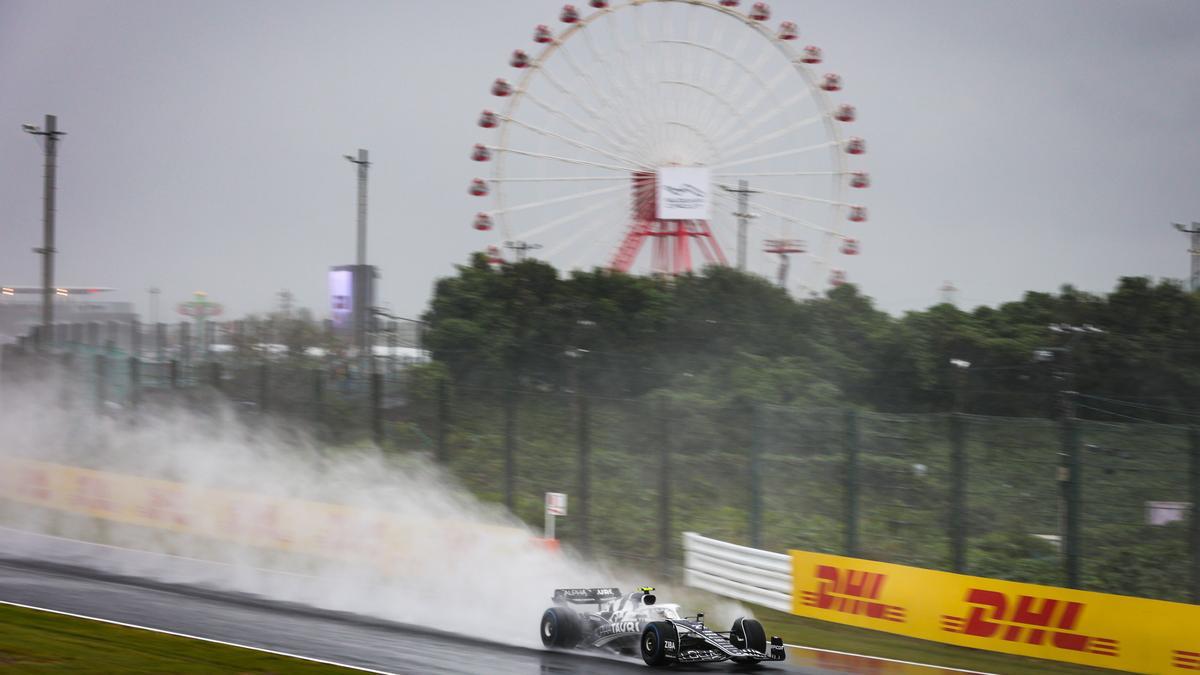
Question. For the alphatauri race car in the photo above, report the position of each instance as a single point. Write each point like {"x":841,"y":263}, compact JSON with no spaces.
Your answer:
{"x":635,"y":622}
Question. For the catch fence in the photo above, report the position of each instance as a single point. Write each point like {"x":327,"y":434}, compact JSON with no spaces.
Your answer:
{"x":1102,"y":506}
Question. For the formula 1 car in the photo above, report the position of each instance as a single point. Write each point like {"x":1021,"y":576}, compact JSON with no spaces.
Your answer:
{"x":635,"y":622}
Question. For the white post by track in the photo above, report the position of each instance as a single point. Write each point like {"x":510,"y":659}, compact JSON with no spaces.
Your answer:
{"x":556,"y":505}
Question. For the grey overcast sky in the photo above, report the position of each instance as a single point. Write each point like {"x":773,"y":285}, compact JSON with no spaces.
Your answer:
{"x":1013,"y":145}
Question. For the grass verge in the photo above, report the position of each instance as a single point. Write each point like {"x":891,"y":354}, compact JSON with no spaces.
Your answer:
{"x":32,"y":641}
{"x":825,"y":635}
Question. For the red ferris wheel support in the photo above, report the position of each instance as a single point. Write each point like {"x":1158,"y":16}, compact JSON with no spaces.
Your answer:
{"x":671,"y":248}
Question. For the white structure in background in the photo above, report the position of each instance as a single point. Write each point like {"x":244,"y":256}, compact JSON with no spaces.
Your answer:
{"x":738,"y":572}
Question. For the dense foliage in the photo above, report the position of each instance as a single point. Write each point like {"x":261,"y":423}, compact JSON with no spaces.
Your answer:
{"x":724,"y":336}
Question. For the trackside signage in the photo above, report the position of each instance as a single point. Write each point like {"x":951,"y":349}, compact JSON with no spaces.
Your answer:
{"x":1095,"y":629}
{"x":392,"y":541}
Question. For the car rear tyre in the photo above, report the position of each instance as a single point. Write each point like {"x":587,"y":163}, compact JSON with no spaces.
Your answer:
{"x":653,"y":642}
{"x":748,"y":634}
{"x":560,"y":628}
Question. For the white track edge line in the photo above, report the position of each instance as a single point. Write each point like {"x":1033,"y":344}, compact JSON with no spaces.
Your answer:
{"x":882,"y":658}
{"x":197,"y":637}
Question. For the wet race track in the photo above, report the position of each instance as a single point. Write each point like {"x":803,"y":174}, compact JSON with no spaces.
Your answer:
{"x":346,"y":639}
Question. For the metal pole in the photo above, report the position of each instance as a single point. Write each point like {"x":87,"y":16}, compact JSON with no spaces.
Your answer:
{"x":360,"y":256}
{"x":851,"y":487}
{"x":51,"y":134}
{"x":756,"y":452}
{"x":1194,"y":251}
{"x":743,"y":221}
{"x":1071,"y":482}
{"x":1194,"y":523}
{"x":510,"y":444}
{"x":958,"y":493}
{"x":584,"y":442}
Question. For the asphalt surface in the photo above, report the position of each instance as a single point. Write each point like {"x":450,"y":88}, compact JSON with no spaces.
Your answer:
{"x":332,"y":636}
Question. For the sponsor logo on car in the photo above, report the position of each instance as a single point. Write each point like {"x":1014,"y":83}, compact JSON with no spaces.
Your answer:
{"x":853,"y":592}
{"x":669,"y":645}
{"x":1027,"y":618}
{"x":618,"y":627}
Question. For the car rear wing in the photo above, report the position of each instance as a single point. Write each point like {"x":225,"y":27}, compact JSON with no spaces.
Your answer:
{"x":586,"y":596}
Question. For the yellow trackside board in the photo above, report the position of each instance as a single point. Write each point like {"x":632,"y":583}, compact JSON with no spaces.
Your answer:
{"x":1094,"y":629}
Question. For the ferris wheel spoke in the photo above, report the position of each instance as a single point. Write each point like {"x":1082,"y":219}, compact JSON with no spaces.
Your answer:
{"x":783,"y":216}
{"x":557,"y":200}
{"x":756,"y":174}
{"x":596,"y":90}
{"x":768,"y":88}
{"x":575,"y":142}
{"x":606,"y":130}
{"x":767,"y":138}
{"x":570,"y":217}
{"x":570,"y":119}
{"x":551,"y":179}
{"x":769,"y":115}
{"x":699,"y":133}
{"x":617,"y":104}
{"x":651,"y":65}
{"x":773,"y":155}
{"x":558,"y":158}
{"x":634,"y":95}
{"x":737,"y":66}
{"x":577,"y":235}
{"x":799,"y":197}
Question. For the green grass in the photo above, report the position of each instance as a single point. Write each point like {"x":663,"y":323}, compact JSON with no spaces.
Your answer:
{"x":812,"y":633}
{"x":32,"y":641}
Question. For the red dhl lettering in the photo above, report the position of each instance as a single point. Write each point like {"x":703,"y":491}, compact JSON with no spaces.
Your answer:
{"x":91,"y":493}
{"x":32,"y":484}
{"x":1185,"y":660}
{"x":1030,"y":619}
{"x":165,"y":506}
{"x":853,"y":592}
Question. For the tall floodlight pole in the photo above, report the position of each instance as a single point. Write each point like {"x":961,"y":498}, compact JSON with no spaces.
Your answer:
{"x":744,"y":216}
{"x":51,"y":133}
{"x":361,"y":312}
{"x":1194,"y":231}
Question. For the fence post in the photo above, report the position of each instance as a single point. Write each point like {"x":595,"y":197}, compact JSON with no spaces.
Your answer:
{"x":185,"y":343}
{"x":1194,"y":524}
{"x":443,"y":420}
{"x":1070,"y":480}
{"x":958,"y":493}
{"x":510,"y":444}
{"x":377,"y":408}
{"x":214,"y":375}
{"x":583,"y":430}
{"x":264,"y":387}
{"x":756,"y":451}
{"x":318,"y":396}
{"x":101,"y":373}
{"x":664,"y":487}
{"x":160,"y":342}
{"x":850,"y":447}
{"x":135,"y":338}
{"x":135,"y":381}
{"x":173,"y":373}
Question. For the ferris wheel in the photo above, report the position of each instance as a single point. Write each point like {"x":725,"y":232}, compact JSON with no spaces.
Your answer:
{"x":647,"y":134}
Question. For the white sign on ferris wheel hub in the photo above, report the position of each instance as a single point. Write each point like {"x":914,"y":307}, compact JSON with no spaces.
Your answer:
{"x":683,"y":193}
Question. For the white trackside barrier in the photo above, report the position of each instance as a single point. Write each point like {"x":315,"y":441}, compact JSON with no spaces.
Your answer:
{"x":738,"y":572}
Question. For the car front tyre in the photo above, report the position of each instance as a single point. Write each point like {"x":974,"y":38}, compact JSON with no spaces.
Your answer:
{"x":748,"y":634}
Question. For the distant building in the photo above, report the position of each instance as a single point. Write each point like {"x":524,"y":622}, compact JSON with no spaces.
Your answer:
{"x":21,"y":309}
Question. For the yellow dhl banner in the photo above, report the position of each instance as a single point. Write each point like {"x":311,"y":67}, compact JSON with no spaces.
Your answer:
{"x":323,"y":529}
{"x":1094,"y":629}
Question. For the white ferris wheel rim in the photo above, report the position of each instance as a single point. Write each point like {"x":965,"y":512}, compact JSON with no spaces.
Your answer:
{"x":830,"y":233}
